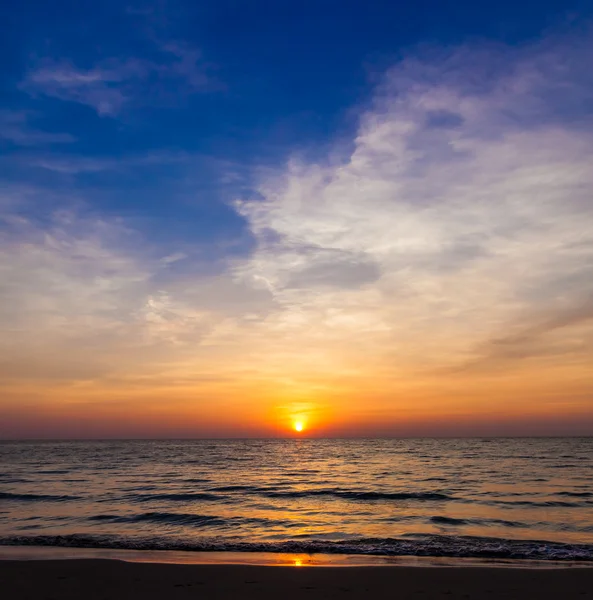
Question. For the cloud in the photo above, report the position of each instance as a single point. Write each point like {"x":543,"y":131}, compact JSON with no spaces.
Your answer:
{"x":565,"y":334}
{"x":15,"y":127}
{"x":112,"y":84}
{"x":172,"y":258}
{"x":76,"y":164}
{"x":329,"y":268}
{"x":188,"y":64}
{"x":469,"y":193}
{"x":105,"y":89}
{"x":82,"y":298}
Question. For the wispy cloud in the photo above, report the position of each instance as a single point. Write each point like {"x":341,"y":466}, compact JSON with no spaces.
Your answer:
{"x":564,"y":333}
{"x":106,"y":89}
{"x":112,"y":84}
{"x":16,"y":126}
{"x":76,"y":164}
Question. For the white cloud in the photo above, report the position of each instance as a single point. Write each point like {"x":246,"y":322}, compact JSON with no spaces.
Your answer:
{"x":468,"y":194}
{"x":82,"y":297}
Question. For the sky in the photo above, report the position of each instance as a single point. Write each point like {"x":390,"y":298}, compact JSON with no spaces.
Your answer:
{"x":219,"y":219}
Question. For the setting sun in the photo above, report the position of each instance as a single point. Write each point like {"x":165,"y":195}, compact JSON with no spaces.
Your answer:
{"x":298,"y":426}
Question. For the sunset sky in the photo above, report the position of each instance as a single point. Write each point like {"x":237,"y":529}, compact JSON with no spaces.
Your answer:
{"x":221,"y":218}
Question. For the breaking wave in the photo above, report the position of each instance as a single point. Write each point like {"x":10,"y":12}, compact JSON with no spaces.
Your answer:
{"x":416,"y":545}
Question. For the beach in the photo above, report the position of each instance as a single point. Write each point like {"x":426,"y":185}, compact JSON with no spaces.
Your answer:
{"x":98,"y":579}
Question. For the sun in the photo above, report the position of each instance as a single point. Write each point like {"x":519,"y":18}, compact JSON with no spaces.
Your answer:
{"x":298,"y":426}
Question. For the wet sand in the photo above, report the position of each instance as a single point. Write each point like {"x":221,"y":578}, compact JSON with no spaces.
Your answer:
{"x":114,"y":580}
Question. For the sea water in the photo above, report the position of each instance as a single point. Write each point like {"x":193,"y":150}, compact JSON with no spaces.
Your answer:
{"x":526,"y":498}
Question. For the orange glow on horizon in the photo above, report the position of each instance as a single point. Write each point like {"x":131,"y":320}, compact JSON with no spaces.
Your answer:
{"x":450,"y":405}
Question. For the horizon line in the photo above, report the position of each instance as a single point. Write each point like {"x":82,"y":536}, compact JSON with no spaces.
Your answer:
{"x":292,"y":438}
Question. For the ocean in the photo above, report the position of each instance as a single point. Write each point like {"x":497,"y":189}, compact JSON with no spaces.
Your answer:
{"x":480,"y":498}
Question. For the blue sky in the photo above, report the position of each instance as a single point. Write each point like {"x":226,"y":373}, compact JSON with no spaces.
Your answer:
{"x":180,"y":181}
{"x":188,"y":99}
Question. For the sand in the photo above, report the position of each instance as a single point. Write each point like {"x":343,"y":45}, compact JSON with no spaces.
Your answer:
{"x":114,"y":580}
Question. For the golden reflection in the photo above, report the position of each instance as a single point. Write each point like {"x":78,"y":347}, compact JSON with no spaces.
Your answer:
{"x":298,"y":562}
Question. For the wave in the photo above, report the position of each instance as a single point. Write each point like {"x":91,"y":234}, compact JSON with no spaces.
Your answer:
{"x":443,"y":520}
{"x":36,"y":497}
{"x":181,"y":497}
{"x":448,"y":521}
{"x":54,"y":472}
{"x":543,"y":503}
{"x":358,"y":495}
{"x":277,"y":492}
{"x":162,"y":517}
{"x":414,"y":545}
{"x":235,"y":488}
{"x":192,"y":519}
{"x":576,"y":494}
{"x":195,"y":480}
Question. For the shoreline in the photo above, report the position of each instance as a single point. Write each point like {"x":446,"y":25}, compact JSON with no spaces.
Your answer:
{"x":272,"y":559}
{"x":101,"y":579}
